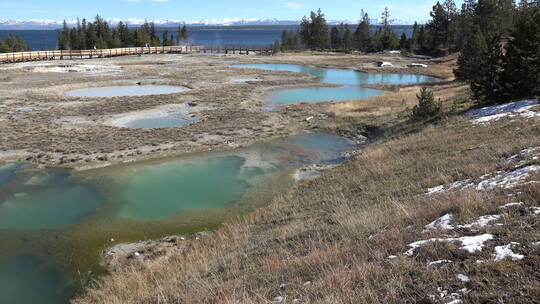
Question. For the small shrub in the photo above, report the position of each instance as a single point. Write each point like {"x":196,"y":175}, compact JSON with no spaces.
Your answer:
{"x":427,"y":106}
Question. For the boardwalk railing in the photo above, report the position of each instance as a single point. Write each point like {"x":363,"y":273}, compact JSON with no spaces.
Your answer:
{"x":242,"y":50}
{"x":83,"y":54}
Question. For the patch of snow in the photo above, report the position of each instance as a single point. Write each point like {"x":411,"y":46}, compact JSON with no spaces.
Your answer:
{"x":471,"y":244}
{"x":488,"y":114}
{"x":482,"y":221}
{"x":505,"y":108}
{"x":464,"y":183}
{"x":277,"y":299}
{"x":511,"y":205}
{"x":439,"y":262}
{"x":504,"y":252}
{"x":487,"y":119}
{"x":441,"y":223}
{"x":535,"y":210}
{"x":384,"y":64}
{"x":530,"y":150}
{"x":391,"y":257}
{"x":508,"y":180}
{"x":456,"y":301}
{"x":417,"y":65}
{"x":435,"y":190}
{"x":536,"y":243}
{"x":458,"y":184}
{"x":463,"y":278}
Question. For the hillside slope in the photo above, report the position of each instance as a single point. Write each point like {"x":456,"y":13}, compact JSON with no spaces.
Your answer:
{"x":441,"y":212}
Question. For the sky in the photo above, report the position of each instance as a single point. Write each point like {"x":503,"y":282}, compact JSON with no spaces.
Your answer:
{"x":408,"y":10}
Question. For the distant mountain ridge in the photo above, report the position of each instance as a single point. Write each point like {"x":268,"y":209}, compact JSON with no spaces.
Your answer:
{"x":37,"y":24}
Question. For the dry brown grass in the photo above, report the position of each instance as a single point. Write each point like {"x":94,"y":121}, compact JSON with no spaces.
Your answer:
{"x":328,"y":240}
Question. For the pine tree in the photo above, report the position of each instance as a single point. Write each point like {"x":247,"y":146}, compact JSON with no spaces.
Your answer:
{"x":13,"y":43}
{"x":183,"y":35}
{"x":91,"y":37}
{"x":387,"y":38}
{"x":335,"y":38}
{"x":363,"y":34}
{"x":276,"y":47}
{"x":305,"y":32}
{"x":464,"y":24}
{"x":427,"y":106}
{"x":314,"y":31}
{"x":488,"y":84}
{"x":285,"y":41}
{"x":470,"y":60}
{"x":522,"y":61}
{"x":64,"y":38}
{"x":438,"y":27}
{"x":165,"y":38}
{"x":347,"y":38}
{"x":422,"y":38}
{"x":404,"y":42}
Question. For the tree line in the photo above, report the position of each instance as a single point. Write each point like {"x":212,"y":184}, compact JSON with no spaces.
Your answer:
{"x":500,"y":59}
{"x":315,"y":34}
{"x":99,"y":35}
{"x":12,"y":44}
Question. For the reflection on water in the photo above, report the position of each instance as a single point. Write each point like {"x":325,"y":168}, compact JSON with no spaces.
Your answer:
{"x":55,"y":222}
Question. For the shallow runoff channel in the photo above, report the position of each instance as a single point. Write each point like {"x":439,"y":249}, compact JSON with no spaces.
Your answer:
{"x":54,"y":223}
{"x":351,"y":84}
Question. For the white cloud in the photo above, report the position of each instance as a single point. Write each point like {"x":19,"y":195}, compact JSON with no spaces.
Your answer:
{"x":294,"y":5}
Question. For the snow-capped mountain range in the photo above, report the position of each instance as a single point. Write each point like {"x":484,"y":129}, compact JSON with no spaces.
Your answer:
{"x":36,"y":24}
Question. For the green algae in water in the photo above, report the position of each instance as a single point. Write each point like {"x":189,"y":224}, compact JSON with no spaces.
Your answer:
{"x":8,"y":172}
{"x":160,"y":191}
{"x":25,"y":280}
{"x":48,"y":207}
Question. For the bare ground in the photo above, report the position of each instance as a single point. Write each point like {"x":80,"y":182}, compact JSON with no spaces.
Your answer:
{"x":38,"y":123}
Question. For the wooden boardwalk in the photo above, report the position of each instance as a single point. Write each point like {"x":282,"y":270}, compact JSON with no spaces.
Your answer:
{"x":104,"y":53}
{"x":86,"y":54}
